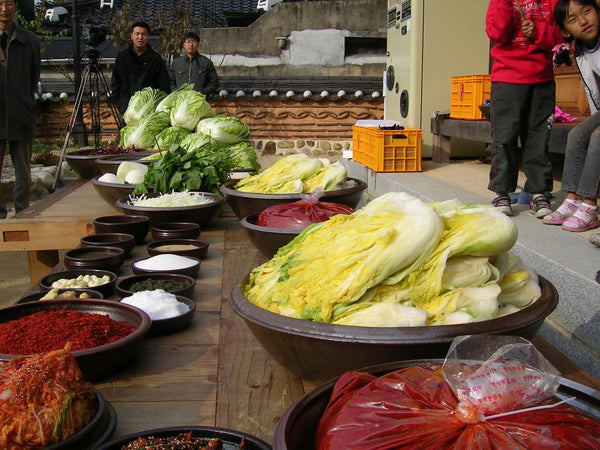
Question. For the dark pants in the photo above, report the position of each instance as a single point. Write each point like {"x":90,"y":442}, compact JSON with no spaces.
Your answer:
{"x":20,"y":154}
{"x":525,"y":112}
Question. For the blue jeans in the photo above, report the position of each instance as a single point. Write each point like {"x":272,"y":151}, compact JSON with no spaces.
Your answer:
{"x":581,"y":172}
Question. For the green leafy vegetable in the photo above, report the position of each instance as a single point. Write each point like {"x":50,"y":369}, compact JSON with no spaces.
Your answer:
{"x":224,"y":129}
{"x":170,"y":136}
{"x":189,"y":108}
{"x":168,"y":102}
{"x":142,"y":103}
{"x":243,"y":156}
{"x":145,"y":133}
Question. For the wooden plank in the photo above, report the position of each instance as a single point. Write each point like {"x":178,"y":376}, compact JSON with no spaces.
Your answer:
{"x":40,"y":262}
{"x":39,"y":206}
{"x":48,"y":234}
{"x":253,"y":390}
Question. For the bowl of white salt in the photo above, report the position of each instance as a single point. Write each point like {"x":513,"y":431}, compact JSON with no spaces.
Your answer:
{"x":167,"y":263}
{"x":168,"y":312}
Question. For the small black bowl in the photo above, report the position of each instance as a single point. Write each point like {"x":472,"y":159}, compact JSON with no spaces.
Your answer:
{"x":124,"y":285}
{"x":173,"y":324}
{"x":199,"y":250}
{"x":105,"y":289}
{"x":190,"y":271}
{"x":124,"y":223}
{"x":37,"y":296}
{"x":175,"y":230}
{"x":125,"y":241}
{"x":105,"y":258}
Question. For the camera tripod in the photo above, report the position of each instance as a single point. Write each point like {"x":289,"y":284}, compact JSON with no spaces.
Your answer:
{"x":93,"y":82}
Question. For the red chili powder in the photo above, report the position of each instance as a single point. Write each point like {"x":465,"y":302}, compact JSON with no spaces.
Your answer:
{"x":51,"y":330}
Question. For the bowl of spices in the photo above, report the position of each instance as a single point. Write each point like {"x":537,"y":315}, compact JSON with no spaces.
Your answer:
{"x":183,"y":247}
{"x":168,"y":312}
{"x":187,"y":437}
{"x":138,"y":225}
{"x":105,"y":335}
{"x":177,"y":284}
{"x":102,"y":281}
{"x":125,"y":241}
{"x":106,"y":258}
{"x":175,"y":230}
{"x":167,"y":263}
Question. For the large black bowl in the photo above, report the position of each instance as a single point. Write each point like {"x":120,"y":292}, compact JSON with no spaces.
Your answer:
{"x":231,"y":439}
{"x":83,"y":164}
{"x":110,"y":163}
{"x":319,"y":351}
{"x":111,"y":192}
{"x":200,"y":214}
{"x":297,"y":427}
{"x":99,"y":362}
{"x":267,"y":240}
{"x":245,"y":203}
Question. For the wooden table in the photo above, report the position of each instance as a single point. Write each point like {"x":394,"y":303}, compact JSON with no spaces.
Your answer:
{"x":215,"y":373}
{"x":54,"y":223}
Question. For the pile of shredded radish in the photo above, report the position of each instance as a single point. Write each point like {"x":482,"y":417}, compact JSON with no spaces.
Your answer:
{"x":174,"y":199}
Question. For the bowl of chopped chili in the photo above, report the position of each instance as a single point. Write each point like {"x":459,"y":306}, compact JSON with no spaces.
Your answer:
{"x":189,"y":436}
{"x":105,"y":335}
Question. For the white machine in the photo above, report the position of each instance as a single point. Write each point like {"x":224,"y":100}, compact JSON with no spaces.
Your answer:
{"x":428,"y":42}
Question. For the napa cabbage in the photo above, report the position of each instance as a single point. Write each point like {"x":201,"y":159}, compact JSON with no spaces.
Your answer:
{"x":167,"y":103}
{"x":224,"y":129}
{"x":145,"y":133}
{"x":242,"y":156}
{"x":330,"y":177}
{"x":141,"y":104}
{"x":331,"y":264}
{"x":195,"y":142}
{"x":189,"y":107}
{"x":170,"y":136}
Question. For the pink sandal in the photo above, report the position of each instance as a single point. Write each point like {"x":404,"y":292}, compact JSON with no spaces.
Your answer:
{"x":585,"y":218}
{"x":558,"y":218}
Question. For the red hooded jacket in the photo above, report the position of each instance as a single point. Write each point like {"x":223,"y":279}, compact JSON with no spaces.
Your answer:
{"x":518,"y":59}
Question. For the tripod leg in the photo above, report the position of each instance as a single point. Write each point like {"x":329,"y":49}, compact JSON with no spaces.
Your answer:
{"x":70,"y":127}
{"x":118,"y":118}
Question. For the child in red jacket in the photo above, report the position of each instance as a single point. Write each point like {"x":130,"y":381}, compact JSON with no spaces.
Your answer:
{"x":523,"y":34}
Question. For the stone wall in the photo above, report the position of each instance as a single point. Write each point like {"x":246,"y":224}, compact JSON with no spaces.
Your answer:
{"x":278,"y":126}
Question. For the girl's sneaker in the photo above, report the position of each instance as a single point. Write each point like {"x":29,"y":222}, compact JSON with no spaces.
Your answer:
{"x":585,"y":218}
{"x":564,"y":211}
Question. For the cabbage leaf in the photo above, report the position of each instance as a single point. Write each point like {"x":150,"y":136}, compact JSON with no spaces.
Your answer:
{"x":142,"y":103}
{"x":224,"y":129}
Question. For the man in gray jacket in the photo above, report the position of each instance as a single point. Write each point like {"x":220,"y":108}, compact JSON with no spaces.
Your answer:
{"x":194,"y":68}
{"x":19,"y":76}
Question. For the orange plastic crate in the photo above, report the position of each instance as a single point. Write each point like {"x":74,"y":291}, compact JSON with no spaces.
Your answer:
{"x":387,"y":150}
{"x":468,"y":92}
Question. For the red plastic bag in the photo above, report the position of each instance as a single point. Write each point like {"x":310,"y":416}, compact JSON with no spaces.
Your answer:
{"x":298,"y":215}
{"x":415,"y":408}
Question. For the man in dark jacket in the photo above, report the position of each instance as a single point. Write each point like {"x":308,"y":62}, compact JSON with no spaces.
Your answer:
{"x":19,"y":76}
{"x":136,"y":67}
{"x":194,"y":68}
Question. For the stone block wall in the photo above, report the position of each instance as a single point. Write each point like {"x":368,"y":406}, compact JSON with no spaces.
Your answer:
{"x":277,"y":126}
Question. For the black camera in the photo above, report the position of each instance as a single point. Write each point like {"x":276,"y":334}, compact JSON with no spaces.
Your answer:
{"x":95,"y":35}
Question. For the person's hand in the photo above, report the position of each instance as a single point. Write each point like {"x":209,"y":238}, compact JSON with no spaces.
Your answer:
{"x":527,"y":28}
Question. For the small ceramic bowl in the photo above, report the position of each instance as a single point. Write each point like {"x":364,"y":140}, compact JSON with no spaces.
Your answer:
{"x":105,"y":289}
{"x":124,"y":285}
{"x":36,"y":296}
{"x":190,"y":271}
{"x":183,"y":247}
{"x":105,"y":258}
{"x":124,"y":223}
{"x":175,"y":230}
{"x":125,"y":241}
{"x":176,"y":323}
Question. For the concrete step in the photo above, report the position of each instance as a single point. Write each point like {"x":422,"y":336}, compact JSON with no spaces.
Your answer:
{"x":566,"y":259}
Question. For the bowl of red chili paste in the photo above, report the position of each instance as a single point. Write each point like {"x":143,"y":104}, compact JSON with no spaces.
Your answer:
{"x":105,"y":336}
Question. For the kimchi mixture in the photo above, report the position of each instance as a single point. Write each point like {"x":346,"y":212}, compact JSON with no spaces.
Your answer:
{"x":44,"y":400}
{"x":181,"y":441}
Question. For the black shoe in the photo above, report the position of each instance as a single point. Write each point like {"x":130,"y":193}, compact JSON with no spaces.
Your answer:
{"x":540,"y":206}
{"x":503,"y":203}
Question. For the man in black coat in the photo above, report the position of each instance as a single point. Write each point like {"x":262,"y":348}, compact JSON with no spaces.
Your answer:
{"x":194,"y":68}
{"x":136,"y":67}
{"x":19,"y":76}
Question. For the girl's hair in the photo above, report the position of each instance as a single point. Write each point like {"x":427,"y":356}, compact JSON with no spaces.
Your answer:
{"x":561,"y":11}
